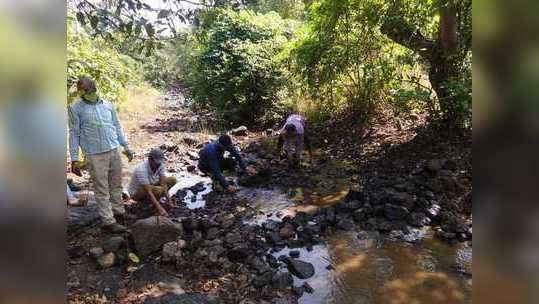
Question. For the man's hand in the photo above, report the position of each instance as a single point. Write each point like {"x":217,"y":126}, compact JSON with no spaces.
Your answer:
{"x":75,"y":168}
{"x":231,"y":189}
{"x":251,"y":171}
{"x":130,"y":154}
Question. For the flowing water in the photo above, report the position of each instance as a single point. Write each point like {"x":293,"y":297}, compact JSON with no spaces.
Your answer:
{"x":352,"y":270}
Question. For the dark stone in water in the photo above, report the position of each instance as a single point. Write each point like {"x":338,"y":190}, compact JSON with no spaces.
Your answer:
{"x":411,"y":236}
{"x":294,"y":254}
{"x":355,"y":195}
{"x":299,"y":268}
{"x":282,"y":280}
{"x":307,"y":287}
{"x":298,"y":291}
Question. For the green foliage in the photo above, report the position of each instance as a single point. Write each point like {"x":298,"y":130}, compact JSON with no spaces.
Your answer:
{"x":236,"y":70}
{"x":114,"y":72}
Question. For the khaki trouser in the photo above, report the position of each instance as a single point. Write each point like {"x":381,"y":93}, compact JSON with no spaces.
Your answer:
{"x":106,"y":174}
{"x":157,"y":190}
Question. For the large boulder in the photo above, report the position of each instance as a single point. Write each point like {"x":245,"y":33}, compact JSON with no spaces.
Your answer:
{"x":151,"y":233}
{"x":299,"y":268}
{"x":81,"y":216}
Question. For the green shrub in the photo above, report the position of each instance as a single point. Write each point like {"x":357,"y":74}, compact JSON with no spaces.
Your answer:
{"x":236,"y":70}
{"x":113,"y":72}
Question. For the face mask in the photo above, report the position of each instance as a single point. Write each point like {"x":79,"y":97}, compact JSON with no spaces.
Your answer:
{"x":91,"y":97}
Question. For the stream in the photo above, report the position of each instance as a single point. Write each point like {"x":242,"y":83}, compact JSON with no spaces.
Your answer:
{"x":358,"y":267}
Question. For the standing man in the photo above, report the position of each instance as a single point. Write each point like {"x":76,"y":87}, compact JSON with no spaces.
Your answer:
{"x":212,"y":161}
{"x":293,"y":136}
{"x":94,"y":127}
{"x":149,"y":182}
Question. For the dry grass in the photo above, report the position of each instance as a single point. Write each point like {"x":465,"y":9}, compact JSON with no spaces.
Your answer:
{"x":141,"y":105}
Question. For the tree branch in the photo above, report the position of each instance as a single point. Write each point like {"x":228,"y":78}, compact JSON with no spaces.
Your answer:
{"x":409,"y":37}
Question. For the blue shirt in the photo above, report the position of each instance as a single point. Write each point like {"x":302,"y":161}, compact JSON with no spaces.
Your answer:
{"x":94,"y":127}
{"x":210,"y":157}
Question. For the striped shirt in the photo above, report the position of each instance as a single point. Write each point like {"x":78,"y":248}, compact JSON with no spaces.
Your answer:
{"x":95,"y":128}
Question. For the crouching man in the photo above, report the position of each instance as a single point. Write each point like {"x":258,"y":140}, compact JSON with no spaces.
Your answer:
{"x":149,"y":182}
{"x":294,"y":137}
{"x":212,"y":162}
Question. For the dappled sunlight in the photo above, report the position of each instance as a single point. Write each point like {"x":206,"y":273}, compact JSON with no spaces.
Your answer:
{"x":434,"y":287}
{"x":350,"y":264}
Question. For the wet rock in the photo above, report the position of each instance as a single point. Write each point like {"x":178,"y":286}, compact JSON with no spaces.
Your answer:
{"x":76,"y":252}
{"x":298,"y":291}
{"x":252,"y":147}
{"x":307,"y":287}
{"x":171,"y":252}
{"x":191,"y":168}
{"x":239,"y":131}
{"x":262,"y":280}
{"x":287,"y":231}
{"x":427,"y":263}
{"x":394,"y":212}
{"x":433,"y":211}
{"x":239,"y":253}
{"x":359,"y":215}
{"x":346,"y":224}
{"x":151,"y":233}
{"x":107,"y":260}
{"x":173,"y":298}
{"x":271,"y":225}
{"x":81,"y":216}
{"x":369,"y":239}
{"x":294,"y":254}
{"x":113,"y":244}
{"x":96,"y":252}
{"x":282,"y":280}
{"x":411,"y":235}
{"x":299,"y":268}
{"x":418,"y":219}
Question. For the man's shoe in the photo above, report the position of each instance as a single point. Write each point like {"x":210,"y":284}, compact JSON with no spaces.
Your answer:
{"x":115,"y":228}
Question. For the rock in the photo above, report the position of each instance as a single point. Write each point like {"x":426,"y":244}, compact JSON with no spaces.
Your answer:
{"x":369,"y":239}
{"x":113,"y":244}
{"x":294,"y":254}
{"x":96,"y":252}
{"x":212,"y":233}
{"x":434,"y":166}
{"x":190,"y":141}
{"x":188,"y":298}
{"x":418,"y":219}
{"x":262,"y":280}
{"x":76,"y":251}
{"x":81,"y":216}
{"x":402,"y":199}
{"x":282,"y":280}
{"x":411,"y":236}
{"x":307,"y":287}
{"x":433,"y":211}
{"x":359,"y":215}
{"x":233,"y":238}
{"x":346,"y":224}
{"x":450,"y":165}
{"x":298,"y":291}
{"x":239,"y":131}
{"x":269,"y":132}
{"x":171,"y":252}
{"x":287,"y":231}
{"x":238,"y":254}
{"x":394,"y":212}
{"x":107,"y":260}
{"x":191,"y":168}
{"x":355,"y":195}
{"x":151,"y":233}
{"x":299,"y":268}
